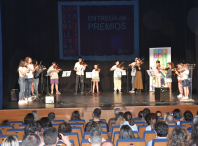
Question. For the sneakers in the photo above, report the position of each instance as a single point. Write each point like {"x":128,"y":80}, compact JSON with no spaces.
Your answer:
{"x":57,"y":92}
{"x":184,"y":98}
{"x":115,"y":91}
{"x":51,"y":92}
{"x":21,"y":102}
{"x":29,"y":99}
{"x":132,"y":91}
{"x":180,"y":96}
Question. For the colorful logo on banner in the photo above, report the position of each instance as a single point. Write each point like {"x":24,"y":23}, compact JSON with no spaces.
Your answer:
{"x":70,"y":30}
{"x":161,"y":55}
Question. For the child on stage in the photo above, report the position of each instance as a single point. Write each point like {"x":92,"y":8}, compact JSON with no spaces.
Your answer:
{"x":54,"y":77}
{"x":168,"y":73}
{"x":180,"y":67}
{"x":95,"y":78}
{"x":185,"y":81}
{"x":138,"y":84}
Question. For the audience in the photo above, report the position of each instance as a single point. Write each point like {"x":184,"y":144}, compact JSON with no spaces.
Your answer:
{"x":152,"y":120}
{"x":120,"y":119}
{"x":188,"y":116}
{"x":31,"y":128}
{"x":36,"y":115}
{"x":39,"y":126}
{"x":75,"y":115}
{"x":107,"y":143}
{"x":193,"y":141}
{"x":96,"y":137}
{"x":178,"y":137}
{"x":195,"y":121}
{"x":5,"y":122}
{"x":165,"y":115}
{"x":140,"y":114}
{"x":126,"y":132}
{"x":51,"y":116}
{"x":170,"y":120}
{"x":177,"y":114}
{"x":32,"y":140}
{"x":46,"y":122}
{"x":161,"y":131}
{"x":64,"y":128}
{"x":50,"y":137}
{"x":159,"y":114}
{"x":92,"y":125}
{"x":28,"y":118}
{"x":10,"y":141}
{"x":194,"y":130}
{"x":129,"y":121}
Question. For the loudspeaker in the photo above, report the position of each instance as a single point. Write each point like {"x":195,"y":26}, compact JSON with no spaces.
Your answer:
{"x":50,"y":99}
{"x":14,"y":95}
{"x":162,"y":94}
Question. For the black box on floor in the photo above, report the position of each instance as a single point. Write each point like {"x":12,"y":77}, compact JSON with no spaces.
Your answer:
{"x":162,"y":94}
{"x":14,"y":95}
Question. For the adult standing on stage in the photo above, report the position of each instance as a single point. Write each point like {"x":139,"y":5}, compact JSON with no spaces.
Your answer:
{"x":138,"y":76}
{"x":133,"y":71}
{"x":29,"y":77}
{"x":79,"y":68}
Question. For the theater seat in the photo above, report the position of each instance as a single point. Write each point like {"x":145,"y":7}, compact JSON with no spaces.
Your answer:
{"x":77,"y":121}
{"x":186,"y":123}
{"x":73,"y":136}
{"x":16,"y":123}
{"x":79,"y":131}
{"x":131,"y":142}
{"x":159,"y":142}
{"x":62,"y":144}
{"x":5,"y":128}
{"x":85,"y":142}
{"x":18,"y":132}
{"x":141,"y":130}
{"x":114,"y":129}
{"x":78,"y":125}
{"x":149,"y":135}
{"x":59,"y":121}
{"x":103,"y":120}
{"x":104,"y":135}
{"x":171,"y":127}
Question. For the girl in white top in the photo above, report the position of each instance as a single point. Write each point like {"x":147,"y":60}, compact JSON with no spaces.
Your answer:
{"x":180,"y":67}
{"x":22,"y":70}
{"x":95,"y":78}
{"x":185,"y":81}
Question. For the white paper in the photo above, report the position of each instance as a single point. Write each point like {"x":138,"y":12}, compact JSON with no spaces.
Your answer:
{"x":124,"y":72}
{"x":66,"y":74}
{"x":88,"y":74}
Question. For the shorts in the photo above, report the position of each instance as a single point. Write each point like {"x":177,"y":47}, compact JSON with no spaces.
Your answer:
{"x":185,"y":83}
{"x":54,"y":81}
{"x":169,"y":80}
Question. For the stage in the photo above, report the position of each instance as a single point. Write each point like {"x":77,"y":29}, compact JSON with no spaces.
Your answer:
{"x":105,"y":99}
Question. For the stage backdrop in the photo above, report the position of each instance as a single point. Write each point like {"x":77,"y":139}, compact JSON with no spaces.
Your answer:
{"x":98,"y":30}
{"x":163,"y":54}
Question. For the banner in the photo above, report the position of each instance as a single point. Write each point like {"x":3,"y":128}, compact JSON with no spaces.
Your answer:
{"x":98,"y":30}
{"x":163,"y":54}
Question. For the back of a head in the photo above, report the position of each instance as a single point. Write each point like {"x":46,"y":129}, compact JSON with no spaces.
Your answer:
{"x":64,"y":128}
{"x":170,"y":120}
{"x":31,"y":128}
{"x":10,"y":141}
{"x":50,"y":136}
{"x":39,"y":125}
{"x":107,"y":143}
{"x":93,"y":125}
{"x":120,"y":114}
{"x":128,"y":117}
{"x":177,"y":113}
{"x":153,"y":118}
{"x":126,"y":132}
{"x":188,"y":116}
{"x":195,"y":120}
{"x":165,"y":115}
{"x":46,"y":122}
{"x":96,"y":136}
{"x":36,"y":115}
{"x":161,"y":129}
{"x":178,"y":137}
{"x":28,"y":118}
{"x":75,"y":115}
{"x":193,"y":141}
{"x":159,"y":114}
{"x":5,"y":122}
{"x":97,"y":113}
{"x":116,"y":111}
{"x":51,"y":116}
{"x":31,"y":140}
{"x":140,"y":114}
{"x":194,"y":130}
{"x":145,"y":112}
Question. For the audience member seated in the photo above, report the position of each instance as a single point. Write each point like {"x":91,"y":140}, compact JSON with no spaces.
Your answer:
{"x":177,"y":114}
{"x":195,"y":121}
{"x":145,"y":112}
{"x":28,"y":118}
{"x":194,"y":130}
{"x":165,"y":115}
{"x":161,"y":131}
{"x":64,"y":128}
{"x":51,"y":116}
{"x":152,"y":119}
{"x":188,"y":116}
{"x":10,"y":141}
{"x":119,"y":119}
{"x":116,"y":112}
{"x":193,"y":141}
{"x":126,"y":132}
{"x":129,"y":121}
{"x":36,"y":115}
{"x":159,"y":114}
{"x":39,"y":126}
{"x":96,"y":137}
{"x":32,"y":140}
{"x":140,"y":114}
{"x":96,"y":117}
{"x":178,"y":137}
{"x":92,"y":125}
{"x":50,"y":137}
{"x":107,"y":143}
{"x":170,"y":120}
{"x":46,"y":122}
{"x":75,"y":115}
{"x":5,"y":122}
{"x":31,"y":128}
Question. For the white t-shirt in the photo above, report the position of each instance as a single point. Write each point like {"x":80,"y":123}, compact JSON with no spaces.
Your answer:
{"x":117,"y":73}
{"x":156,"y":71}
{"x":30,"y":74}
{"x":79,"y":68}
{"x":94,"y":73}
{"x":179,"y":78}
{"x":54,"y":72}
{"x":133,"y":71}
{"x":185,"y":74}
{"x":22,"y":69}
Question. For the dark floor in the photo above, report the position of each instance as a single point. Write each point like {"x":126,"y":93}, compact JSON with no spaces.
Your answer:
{"x":105,"y":99}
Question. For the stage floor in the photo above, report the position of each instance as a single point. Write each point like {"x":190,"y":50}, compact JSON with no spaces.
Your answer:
{"x":105,"y":99}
